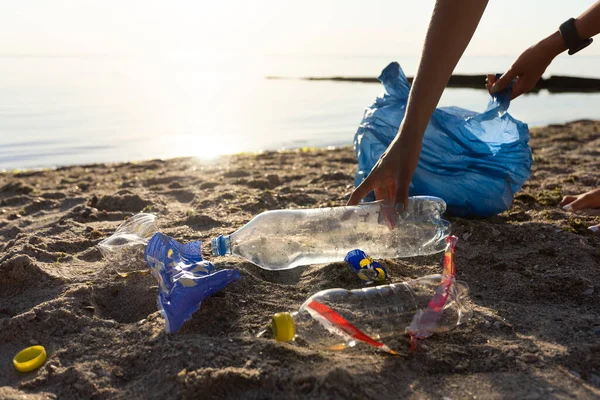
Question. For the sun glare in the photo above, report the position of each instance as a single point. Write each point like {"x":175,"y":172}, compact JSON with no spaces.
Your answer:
{"x":204,"y":147}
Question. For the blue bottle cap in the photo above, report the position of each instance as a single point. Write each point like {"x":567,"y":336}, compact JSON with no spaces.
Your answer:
{"x":221,"y":246}
{"x":368,"y":271}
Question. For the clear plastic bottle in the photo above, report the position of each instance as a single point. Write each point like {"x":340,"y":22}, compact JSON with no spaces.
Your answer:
{"x":284,"y":239}
{"x":371,"y":315}
{"x":338,"y":318}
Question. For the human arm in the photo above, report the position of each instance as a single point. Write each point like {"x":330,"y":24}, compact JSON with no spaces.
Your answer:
{"x":584,"y":201}
{"x":452,"y":25}
{"x":588,"y":200}
{"x":532,"y":63}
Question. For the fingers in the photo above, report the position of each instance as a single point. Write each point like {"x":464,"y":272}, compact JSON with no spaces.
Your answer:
{"x":590,"y":199}
{"x":523,"y":85}
{"x":518,"y":88}
{"x":503,"y":81}
{"x":360,"y":192}
{"x":401,"y":196}
{"x":580,"y":203}
{"x":594,"y":196}
{"x":391,"y":194}
{"x":388,"y":216}
{"x":381,"y":194}
{"x":491,"y":79}
{"x":383,"y":191}
{"x":566,"y":200}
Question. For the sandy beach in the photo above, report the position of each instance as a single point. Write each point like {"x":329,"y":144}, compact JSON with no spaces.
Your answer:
{"x":533,"y":274}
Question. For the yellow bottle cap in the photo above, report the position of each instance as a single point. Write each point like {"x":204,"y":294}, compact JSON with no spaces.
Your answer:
{"x":30,"y":358}
{"x":283,"y":327}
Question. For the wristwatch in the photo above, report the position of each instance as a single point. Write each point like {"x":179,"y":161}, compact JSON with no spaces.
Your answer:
{"x":574,"y":43}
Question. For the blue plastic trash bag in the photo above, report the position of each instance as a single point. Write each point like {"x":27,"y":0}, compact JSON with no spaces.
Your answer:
{"x":184,"y":279}
{"x":476,"y":162}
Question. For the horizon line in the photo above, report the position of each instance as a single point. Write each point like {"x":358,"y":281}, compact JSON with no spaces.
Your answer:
{"x":233,"y":52}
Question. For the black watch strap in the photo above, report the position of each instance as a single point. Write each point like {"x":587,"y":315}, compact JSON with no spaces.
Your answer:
{"x":574,"y":43}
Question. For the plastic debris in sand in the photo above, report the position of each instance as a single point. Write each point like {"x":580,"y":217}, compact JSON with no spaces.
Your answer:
{"x":335,"y":319}
{"x":284,"y":239}
{"x":184,"y":278}
{"x":368,"y":270}
{"x":30,"y":359}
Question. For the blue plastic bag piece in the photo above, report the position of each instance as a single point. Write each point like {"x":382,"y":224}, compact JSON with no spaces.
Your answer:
{"x":476,"y":162}
{"x":184,"y":279}
{"x":368,"y":271}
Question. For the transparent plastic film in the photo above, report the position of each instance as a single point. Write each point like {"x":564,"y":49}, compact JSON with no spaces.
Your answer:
{"x":448,"y":295}
{"x":124,"y":249}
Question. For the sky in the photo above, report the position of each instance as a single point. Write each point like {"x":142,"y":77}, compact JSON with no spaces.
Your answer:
{"x":335,"y":27}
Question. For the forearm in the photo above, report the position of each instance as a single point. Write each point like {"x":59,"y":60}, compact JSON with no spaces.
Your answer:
{"x":587,"y":25}
{"x":451,"y":28}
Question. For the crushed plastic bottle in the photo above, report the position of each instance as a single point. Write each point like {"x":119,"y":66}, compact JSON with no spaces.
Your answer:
{"x":124,"y":249}
{"x":335,"y":319}
{"x":184,"y":278}
{"x":284,"y":239}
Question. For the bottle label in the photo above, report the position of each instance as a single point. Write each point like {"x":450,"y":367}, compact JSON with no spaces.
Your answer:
{"x":335,"y":323}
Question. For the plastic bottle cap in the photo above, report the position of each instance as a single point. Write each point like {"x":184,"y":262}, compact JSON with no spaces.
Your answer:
{"x":283,"y":327}
{"x":30,"y":358}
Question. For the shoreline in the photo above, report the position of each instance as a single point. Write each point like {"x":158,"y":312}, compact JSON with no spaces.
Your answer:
{"x":199,"y":160}
{"x":243,"y":153}
{"x":532,"y":274}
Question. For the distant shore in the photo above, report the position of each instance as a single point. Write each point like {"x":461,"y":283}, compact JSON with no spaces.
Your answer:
{"x":554,"y":84}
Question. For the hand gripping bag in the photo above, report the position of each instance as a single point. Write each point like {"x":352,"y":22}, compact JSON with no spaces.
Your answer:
{"x":476,"y":162}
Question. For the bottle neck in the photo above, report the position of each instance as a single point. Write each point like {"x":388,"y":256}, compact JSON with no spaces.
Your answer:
{"x":221,"y":246}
